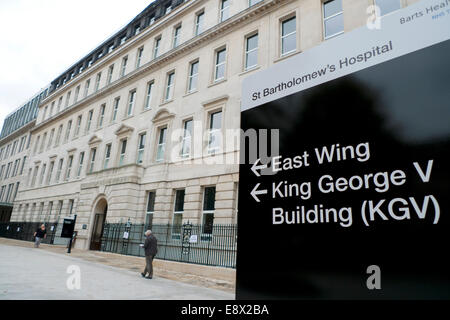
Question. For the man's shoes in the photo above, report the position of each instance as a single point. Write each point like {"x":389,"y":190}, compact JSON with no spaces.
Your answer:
{"x":143,"y":275}
{"x":148,"y":277}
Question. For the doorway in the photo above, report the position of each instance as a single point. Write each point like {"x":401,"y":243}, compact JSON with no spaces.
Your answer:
{"x":99,"y":223}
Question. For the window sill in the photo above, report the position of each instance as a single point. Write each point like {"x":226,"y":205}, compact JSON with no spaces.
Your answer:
{"x":166,"y":102}
{"x":286,"y":56}
{"x":187,"y":94}
{"x":249,"y":70}
{"x":217,"y":82}
{"x":333,"y":36}
{"x":146,"y":110}
{"x":128,"y":117}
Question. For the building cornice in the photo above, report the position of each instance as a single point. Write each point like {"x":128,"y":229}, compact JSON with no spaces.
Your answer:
{"x":183,"y":49}
{"x":144,"y":35}
{"x":14,"y":135}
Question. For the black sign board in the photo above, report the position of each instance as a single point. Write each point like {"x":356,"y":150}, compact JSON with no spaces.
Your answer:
{"x":68,"y":228}
{"x":357,"y":204}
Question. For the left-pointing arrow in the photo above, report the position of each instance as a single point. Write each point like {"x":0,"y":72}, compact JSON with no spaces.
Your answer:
{"x":255,"y":192}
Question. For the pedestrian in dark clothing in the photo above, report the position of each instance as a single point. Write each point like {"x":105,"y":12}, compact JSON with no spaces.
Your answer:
{"x":41,"y":233}
{"x":151,"y":249}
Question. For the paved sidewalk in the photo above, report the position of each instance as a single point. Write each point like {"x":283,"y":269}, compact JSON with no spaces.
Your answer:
{"x":28,"y":273}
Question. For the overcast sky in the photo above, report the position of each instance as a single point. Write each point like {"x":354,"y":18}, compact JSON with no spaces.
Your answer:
{"x":40,"y":39}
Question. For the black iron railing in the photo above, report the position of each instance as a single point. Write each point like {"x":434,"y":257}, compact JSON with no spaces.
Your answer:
{"x":25,"y":231}
{"x":197,"y":244}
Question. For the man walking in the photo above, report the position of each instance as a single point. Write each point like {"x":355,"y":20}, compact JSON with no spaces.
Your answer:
{"x":151,"y":249}
{"x":41,"y":233}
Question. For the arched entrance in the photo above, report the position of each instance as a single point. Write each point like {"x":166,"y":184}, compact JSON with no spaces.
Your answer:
{"x":99,"y":222}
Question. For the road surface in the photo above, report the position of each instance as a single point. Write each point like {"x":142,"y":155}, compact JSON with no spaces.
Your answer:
{"x":28,"y":274}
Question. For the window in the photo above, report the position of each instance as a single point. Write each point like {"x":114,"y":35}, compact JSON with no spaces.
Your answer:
{"x":156,"y":48}
{"x":69,"y":126}
{"x":92,"y":164}
{"x":2,"y":193}
{"x":107,"y":156}
{"x":101,"y":116}
{"x":45,"y":113}
{"x":333,"y":18}
{"x":50,"y":140}
{"x":52,"y":107}
{"x":253,"y":2}
{"x":8,"y":170}
{"x":169,"y":88}
{"x":23,"y":165}
{"x":89,"y":120}
{"x":44,"y":139}
{"x":58,"y":136}
{"x":29,"y":177}
{"x":16,"y":167}
{"x":77,"y":129}
{"x":80,"y":164}
{"x":208,"y":209}
{"x":77,"y":93}
{"x":69,"y":168}
{"x":178,"y":212}
{"x":124,"y":66}
{"x":35,"y":145}
{"x":58,"y":170}
{"x":86,"y":87}
{"x":97,"y":81}
{"x":215,"y":137}
{"x":110,"y":48}
{"x":251,"y":52}
{"x":15,"y":192}
{"x":123,"y":39}
{"x":224,"y":10}
{"x":219,"y":72}
{"x":68,"y":99}
{"x":199,"y":23}
{"x":187,"y":139}
{"x":123,"y":151}
{"x":176,"y":36}
{"x":193,"y":77}
{"x":110,"y":73}
{"x":21,"y":146}
{"x":49,"y":211}
{"x":388,"y":6}
{"x":131,"y":103}
{"x":161,"y":145}
{"x":13,"y":151}
{"x":150,"y":209}
{"x":288,"y":36}
{"x":60,"y":205}
{"x":50,"y":172}
{"x":139,"y":57}
{"x":141,"y":148}
{"x":41,"y":179}
{"x":60,"y":103}
{"x":148,"y":99}
{"x":116,"y":108}
{"x":8,"y":195}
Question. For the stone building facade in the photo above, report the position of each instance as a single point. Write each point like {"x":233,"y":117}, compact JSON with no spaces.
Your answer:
{"x":14,"y":144}
{"x":143,"y":128}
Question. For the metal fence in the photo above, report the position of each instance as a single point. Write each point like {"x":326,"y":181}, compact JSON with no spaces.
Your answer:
{"x":197,"y":244}
{"x":25,"y":231}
